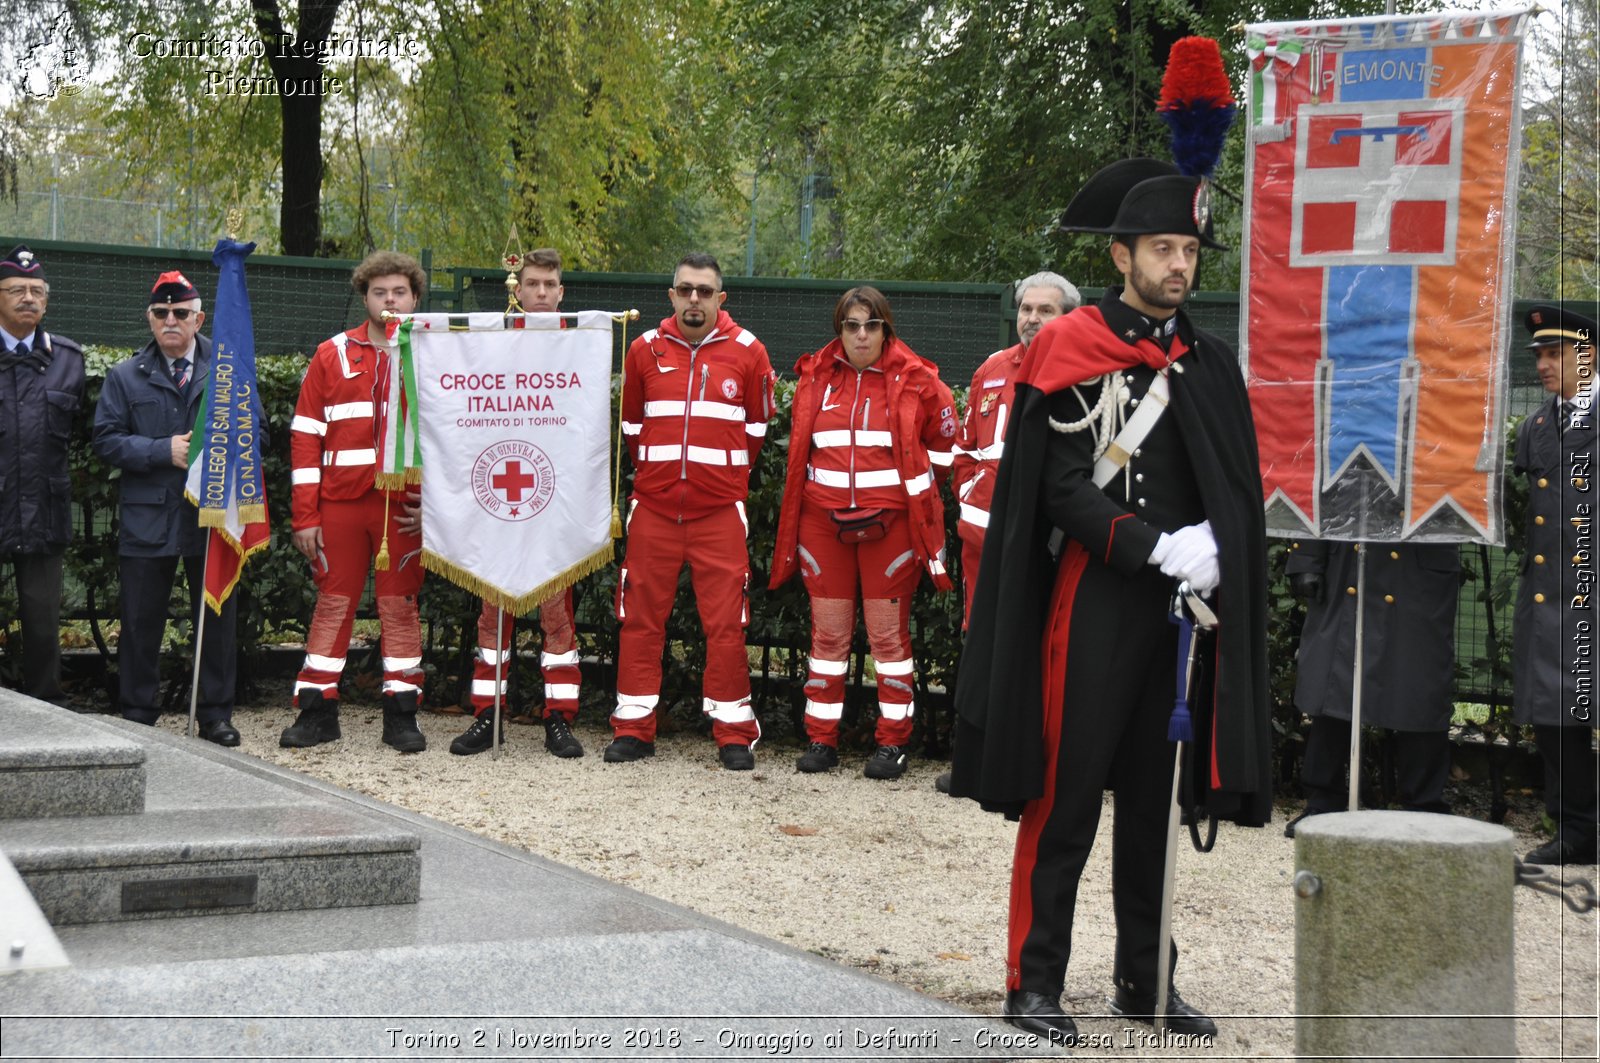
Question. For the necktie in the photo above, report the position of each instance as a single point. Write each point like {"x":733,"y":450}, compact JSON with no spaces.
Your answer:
{"x":180,"y":372}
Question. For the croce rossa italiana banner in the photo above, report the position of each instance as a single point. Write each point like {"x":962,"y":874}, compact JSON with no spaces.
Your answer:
{"x":506,"y":422}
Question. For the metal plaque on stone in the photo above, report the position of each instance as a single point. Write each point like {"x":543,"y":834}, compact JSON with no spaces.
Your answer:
{"x":179,"y":894}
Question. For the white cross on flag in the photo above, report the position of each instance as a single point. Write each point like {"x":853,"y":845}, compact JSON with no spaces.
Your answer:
{"x":1377,"y":183}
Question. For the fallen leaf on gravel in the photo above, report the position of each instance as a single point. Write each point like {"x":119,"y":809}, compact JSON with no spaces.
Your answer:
{"x":954,"y":956}
{"x":796,"y":830}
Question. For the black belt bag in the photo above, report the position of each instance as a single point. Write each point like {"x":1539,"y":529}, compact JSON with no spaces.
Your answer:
{"x":859,"y":525}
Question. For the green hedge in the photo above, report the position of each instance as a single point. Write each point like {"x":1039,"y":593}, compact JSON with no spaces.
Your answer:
{"x":278,"y":595}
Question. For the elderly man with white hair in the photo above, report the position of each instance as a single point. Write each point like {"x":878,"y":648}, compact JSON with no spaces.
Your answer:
{"x":142,"y":426}
{"x":1041,"y":298}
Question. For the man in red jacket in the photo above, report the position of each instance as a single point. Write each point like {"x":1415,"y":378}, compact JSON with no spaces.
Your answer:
{"x":538,"y":291}
{"x":696,"y":397}
{"x":1041,"y":298}
{"x":341,"y":520}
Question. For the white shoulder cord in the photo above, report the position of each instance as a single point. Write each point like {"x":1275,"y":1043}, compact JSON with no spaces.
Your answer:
{"x":1105,"y":411}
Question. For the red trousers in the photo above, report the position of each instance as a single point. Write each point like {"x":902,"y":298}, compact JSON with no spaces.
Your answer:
{"x":971,"y":553}
{"x":558,"y":661}
{"x":351,"y":535}
{"x":714,"y":548}
{"x":886,"y":572}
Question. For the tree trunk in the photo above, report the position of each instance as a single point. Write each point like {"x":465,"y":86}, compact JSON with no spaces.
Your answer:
{"x":301,"y":87}
{"x":300,"y":212}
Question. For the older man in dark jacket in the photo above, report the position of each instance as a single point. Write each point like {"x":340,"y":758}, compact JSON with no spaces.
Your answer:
{"x":142,"y":426}
{"x":41,"y":388}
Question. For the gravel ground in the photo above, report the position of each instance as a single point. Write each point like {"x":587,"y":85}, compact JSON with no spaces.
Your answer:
{"x":899,"y":880}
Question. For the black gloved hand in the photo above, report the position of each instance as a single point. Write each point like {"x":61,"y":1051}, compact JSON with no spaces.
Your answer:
{"x":1307,"y":586}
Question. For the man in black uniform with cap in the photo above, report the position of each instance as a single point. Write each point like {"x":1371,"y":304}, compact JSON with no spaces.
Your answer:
{"x":1557,"y":619}
{"x":1408,"y":659}
{"x":41,"y":388}
{"x":1138,"y":491}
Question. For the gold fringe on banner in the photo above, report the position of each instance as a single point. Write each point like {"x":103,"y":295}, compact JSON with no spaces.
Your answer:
{"x":216,"y":603}
{"x":218,"y":518}
{"x":518,"y":605}
{"x":397,"y":481}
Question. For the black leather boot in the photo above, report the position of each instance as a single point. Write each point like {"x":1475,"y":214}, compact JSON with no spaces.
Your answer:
{"x":400,"y":723}
{"x":317,"y":723}
{"x":1041,"y":1015}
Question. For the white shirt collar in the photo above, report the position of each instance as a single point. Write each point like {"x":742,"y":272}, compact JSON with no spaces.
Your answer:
{"x":189,"y":354}
{"x":12,"y":341}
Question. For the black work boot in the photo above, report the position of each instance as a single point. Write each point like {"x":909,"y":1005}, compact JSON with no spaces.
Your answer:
{"x":317,"y":723}
{"x":558,"y":736}
{"x":400,"y":722}
{"x":479,"y":737}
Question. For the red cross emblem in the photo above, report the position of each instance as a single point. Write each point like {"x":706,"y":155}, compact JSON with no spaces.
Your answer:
{"x":513,"y":480}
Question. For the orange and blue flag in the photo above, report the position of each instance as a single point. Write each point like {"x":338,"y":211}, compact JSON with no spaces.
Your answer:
{"x":1376,"y":303}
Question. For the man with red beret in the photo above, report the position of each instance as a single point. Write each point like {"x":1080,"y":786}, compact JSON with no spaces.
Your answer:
{"x":142,"y":426}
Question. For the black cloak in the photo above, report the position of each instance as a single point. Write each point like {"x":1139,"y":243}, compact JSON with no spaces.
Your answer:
{"x":999,"y":755}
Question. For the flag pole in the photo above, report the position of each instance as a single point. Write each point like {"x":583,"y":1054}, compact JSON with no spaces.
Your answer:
{"x":1356,"y":678}
{"x":199,"y":637}
{"x":499,"y":672}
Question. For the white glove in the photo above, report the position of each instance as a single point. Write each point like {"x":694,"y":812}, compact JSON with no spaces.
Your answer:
{"x":1190,"y":554}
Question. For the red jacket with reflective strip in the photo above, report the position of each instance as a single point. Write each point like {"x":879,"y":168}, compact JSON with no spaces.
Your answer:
{"x":852,"y":461}
{"x":333,"y":441}
{"x":982,"y":438}
{"x":923,"y":426}
{"x":695,"y":416}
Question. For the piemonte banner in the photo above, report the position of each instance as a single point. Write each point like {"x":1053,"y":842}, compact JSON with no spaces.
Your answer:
{"x":1376,"y":306}
{"x":505,"y":420}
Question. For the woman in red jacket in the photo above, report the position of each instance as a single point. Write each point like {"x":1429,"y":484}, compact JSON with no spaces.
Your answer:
{"x":873,"y":427}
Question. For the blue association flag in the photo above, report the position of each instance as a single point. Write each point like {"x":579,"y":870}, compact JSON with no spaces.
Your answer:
{"x":225,"y":474}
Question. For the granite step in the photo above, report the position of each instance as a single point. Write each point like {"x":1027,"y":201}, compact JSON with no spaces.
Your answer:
{"x":202,"y":831}
{"x":95,"y":869}
{"x":56,"y":763}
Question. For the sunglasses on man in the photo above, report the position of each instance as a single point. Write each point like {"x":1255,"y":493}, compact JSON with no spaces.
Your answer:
{"x":180,"y":312}
{"x":704,"y":291}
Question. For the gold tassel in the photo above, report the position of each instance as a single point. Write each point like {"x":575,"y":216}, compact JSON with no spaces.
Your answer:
{"x":381,"y":562}
{"x":616,"y":521}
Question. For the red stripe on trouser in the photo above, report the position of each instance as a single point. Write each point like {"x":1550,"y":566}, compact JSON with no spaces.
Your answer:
{"x":714,"y":548}
{"x":886,"y":572}
{"x":1114,"y":709}
{"x":351,"y":534}
{"x":560,"y":637}
{"x":1037,"y":812}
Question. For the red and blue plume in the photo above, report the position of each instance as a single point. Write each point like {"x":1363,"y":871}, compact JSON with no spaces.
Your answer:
{"x":1197,"y":103}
